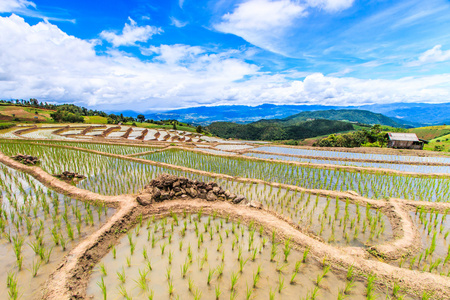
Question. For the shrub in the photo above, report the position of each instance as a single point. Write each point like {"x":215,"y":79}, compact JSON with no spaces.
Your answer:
{"x":6,"y":125}
{"x":439,"y":148}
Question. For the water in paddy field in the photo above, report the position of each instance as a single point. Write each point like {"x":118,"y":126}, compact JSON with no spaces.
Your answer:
{"x":397,"y":167}
{"x":343,"y":154}
{"x":32,"y":217}
{"x":176,"y":258}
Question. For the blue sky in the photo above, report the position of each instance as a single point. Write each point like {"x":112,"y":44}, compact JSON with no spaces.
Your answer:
{"x":157,"y":55}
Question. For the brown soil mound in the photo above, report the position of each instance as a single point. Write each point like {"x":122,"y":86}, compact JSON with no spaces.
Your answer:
{"x":26,"y":159}
{"x":167,"y":187}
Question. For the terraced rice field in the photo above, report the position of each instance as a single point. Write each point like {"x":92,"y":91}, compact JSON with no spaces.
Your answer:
{"x":265,"y":222}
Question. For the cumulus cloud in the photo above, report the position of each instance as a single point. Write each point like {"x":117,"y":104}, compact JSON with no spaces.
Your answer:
{"x":436,"y":54}
{"x":131,"y":33}
{"x":14,"y":5}
{"x":43,"y":62}
{"x":261,"y":22}
{"x":268,"y":23}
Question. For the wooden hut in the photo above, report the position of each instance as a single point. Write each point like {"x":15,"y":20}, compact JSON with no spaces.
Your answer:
{"x":404,"y":141}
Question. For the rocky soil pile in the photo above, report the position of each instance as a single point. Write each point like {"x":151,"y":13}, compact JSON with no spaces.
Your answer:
{"x":167,"y":187}
{"x":69,"y":176}
{"x":26,"y":159}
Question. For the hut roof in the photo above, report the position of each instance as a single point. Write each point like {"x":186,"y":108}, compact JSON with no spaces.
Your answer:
{"x":395,"y":136}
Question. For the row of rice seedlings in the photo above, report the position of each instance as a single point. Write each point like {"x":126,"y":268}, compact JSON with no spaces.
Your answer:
{"x":367,"y":184}
{"x":108,"y":148}
{"x":56,"y":160}
{"x":335,"y":220}
{"x":37,"y":227}
{"x":344,"y":154}
{"x":435,"y":255}
{"x":204,"y":257}
{"x":398,"y":167}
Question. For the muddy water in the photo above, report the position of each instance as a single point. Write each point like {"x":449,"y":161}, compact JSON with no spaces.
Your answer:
{"x":224,"y":242}
{"x":23,"y":198}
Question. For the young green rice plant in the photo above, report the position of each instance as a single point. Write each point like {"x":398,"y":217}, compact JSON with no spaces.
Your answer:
{"x":121,"y":276}
{"x":150,"y":295}
{"x":170,"y":257}
{"x":234,"y":279}
{"x":280,"y":284}
{"x":124,"y":292}
{"x":219,"y":270}
{"x":305,"y":255}
{"x":163,"y":247}
{"x":35,"y":267}
{"x":287,"y":249}
{"x":103,"y":269}
{"x":370,"y":287}
{"x":248,"y":293}
{"x":271,"y":294}
{"x":63,"y":242}
{"x":217,"y":291}
{"x":142,"y":280}
{"x":396,"y":290}
{"x":184,"y":268}
{"x":197,"y":294}
{"x":191,"y":285}
{"x":273,"y":252}
{"x":210,"y":276}
{"x":349,"y":284}
{"x":13,"y":289}
{"x":102,"y":286}
{"x":128,"y":258}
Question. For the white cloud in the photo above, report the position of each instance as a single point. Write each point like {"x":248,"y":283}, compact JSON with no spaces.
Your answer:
{"x":331,"y":5}
{"x":177,"y":23}
{"x":432,"y":55}
{"x":261,"y":22}
{"x":174,"y":54}
{"x":131,"y":33}
{"x":43,"y":62}
{"x":14,"y":5}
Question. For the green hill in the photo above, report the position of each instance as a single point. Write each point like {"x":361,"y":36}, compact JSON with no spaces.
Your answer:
{"x":349,"y":115}
{"x":275,"y":130}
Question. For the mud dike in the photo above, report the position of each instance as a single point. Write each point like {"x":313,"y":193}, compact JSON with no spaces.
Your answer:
{"x":169,"y":194}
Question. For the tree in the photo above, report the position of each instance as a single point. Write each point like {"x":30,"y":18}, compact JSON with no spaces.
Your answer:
{"x":199,"y":129}
{"x":141,"y":118}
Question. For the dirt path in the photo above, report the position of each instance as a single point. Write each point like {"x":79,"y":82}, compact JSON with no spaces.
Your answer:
{"x":407,"y":238}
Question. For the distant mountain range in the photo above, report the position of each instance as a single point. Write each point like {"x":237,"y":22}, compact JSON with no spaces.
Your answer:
{"x":401,"y":114}
{"x":350,"y":115}
{"x":303,"y":125}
